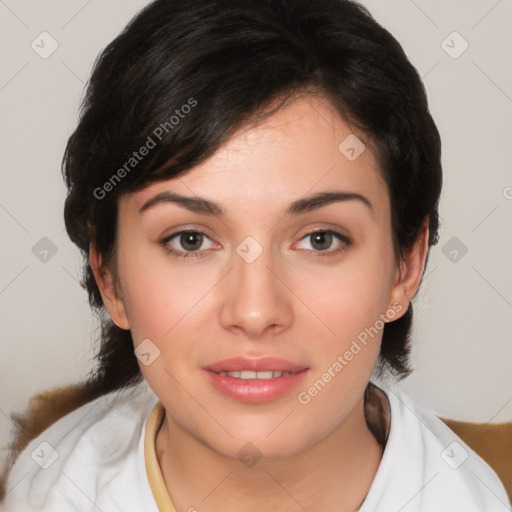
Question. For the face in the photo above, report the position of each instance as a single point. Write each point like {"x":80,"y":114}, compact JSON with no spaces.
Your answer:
{"x":311,"y":287}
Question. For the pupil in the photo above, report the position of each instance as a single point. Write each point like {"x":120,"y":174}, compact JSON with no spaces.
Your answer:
{"x":188,"y":239}
{"x":322,"y":237}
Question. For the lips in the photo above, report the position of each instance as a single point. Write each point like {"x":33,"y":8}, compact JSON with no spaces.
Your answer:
{"x":255,"y":380}
{"x":264,"y":364}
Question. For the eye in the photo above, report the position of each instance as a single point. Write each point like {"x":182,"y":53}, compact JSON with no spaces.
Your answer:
{"x":322,"y":239}
{"x":190,"y":240}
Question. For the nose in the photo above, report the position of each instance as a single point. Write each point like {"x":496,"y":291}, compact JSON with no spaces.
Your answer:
{"x":257,"y":300}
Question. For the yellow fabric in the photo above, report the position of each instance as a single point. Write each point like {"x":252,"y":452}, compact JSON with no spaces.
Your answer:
{"x":493,"y":442}
{"x":156,"y":480}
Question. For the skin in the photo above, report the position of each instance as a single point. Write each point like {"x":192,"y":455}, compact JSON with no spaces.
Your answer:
{"x":289,"y":303}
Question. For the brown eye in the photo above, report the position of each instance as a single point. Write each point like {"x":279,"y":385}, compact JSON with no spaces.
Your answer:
{"x":191,"y":241}
{"x":185,"y":244}
{"x":322,"y":240}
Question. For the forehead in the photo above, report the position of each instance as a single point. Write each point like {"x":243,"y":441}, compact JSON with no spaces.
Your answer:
{"x":303,"y":148}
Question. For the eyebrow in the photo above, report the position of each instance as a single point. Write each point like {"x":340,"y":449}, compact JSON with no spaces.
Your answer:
{"x":303,"y":205}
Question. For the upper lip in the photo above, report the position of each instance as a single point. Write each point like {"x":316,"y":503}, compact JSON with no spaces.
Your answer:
{"x":262,"y":364}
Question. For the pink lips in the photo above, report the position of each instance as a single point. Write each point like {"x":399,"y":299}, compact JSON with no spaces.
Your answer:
{"x":255,"y":390}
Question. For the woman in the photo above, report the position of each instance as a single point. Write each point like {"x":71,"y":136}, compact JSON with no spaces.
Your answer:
{"x":254,"y":187}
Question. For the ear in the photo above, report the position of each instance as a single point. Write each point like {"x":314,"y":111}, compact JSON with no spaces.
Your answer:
{"x":111,"y":299}
{"x":408,"y":275}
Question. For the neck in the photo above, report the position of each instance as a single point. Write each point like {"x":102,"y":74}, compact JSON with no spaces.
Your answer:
{"x":334,"y":474}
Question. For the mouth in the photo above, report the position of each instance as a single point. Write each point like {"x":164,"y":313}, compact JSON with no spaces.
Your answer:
{"x":255,"y":380}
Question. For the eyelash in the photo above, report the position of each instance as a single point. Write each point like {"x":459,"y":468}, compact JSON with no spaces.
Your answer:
{"x":347,"y":242}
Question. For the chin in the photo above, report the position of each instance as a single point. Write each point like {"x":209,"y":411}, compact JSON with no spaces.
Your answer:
{"x":250,"y":448}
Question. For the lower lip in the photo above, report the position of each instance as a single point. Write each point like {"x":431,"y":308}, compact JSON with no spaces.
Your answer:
{"x":255,"y":390}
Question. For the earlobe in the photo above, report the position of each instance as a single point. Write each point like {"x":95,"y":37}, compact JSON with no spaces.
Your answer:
{"x":109,"y":293}
{"x":408,"y":275}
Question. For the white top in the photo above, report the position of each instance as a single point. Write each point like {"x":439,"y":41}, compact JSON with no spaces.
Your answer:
{"x":101,"y":457}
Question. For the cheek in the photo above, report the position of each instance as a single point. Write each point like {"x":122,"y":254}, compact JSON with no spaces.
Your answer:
{"x":352,"y":317}
{"x":147,"y":302}
{"x":156,"y":292}
{"x":170,"y":305}
{"x":349,"y":298}
{"x":350,"y":304}
{"x":164,"y":307}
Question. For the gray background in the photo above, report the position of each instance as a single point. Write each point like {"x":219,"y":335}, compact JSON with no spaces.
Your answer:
{"x":462,"y":354}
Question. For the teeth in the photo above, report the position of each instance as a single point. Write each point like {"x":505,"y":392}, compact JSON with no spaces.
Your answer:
{"x":246,"y":374}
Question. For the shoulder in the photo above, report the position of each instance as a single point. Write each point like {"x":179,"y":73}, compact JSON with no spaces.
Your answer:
{"x":70,"y":465}
{"x":427,"y":467}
